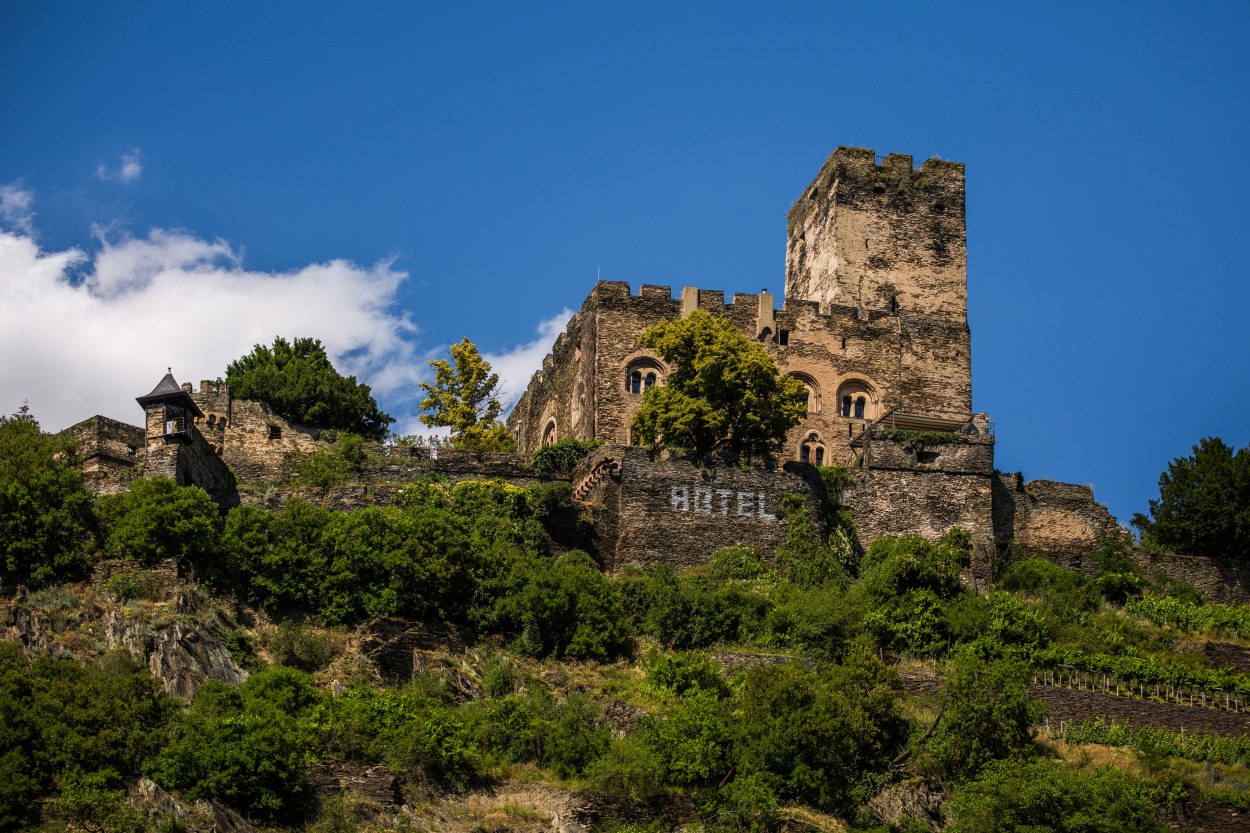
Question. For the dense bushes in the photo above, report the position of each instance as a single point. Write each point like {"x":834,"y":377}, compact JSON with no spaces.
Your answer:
{"x":47,"y":526}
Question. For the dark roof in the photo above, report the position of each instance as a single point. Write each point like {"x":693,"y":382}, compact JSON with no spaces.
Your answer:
{"x":167,"y":390}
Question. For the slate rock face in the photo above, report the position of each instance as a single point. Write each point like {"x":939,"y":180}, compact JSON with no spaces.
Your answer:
{"x":200,"y":817}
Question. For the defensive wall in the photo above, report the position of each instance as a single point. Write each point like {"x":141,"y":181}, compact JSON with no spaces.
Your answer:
{"x":112,"y":452}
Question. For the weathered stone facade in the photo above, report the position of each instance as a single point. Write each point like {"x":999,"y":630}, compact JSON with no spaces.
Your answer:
{"x":112,"y":452}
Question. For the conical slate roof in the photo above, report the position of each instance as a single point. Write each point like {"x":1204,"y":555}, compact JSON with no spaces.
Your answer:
{"x":167,"y":390}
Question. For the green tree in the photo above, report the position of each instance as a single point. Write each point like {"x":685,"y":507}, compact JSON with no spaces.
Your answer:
{"x":248,"y":746}
{"x":159,"y":519}
{"x":988,"y":716}
{"x":1204,"y":503}
{"x":464,"y":397}
{"x":301,"y":384}
{"x":724,"y":391}
{"x":47,"y":527}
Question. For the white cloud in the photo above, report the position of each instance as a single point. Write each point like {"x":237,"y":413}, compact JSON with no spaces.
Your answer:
{"x":85,"y":333}
{"x":515,"y":366}
{"x":16,"y":208}
{"x":128,"y":169}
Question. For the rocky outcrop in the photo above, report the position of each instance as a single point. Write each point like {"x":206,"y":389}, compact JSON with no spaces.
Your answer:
{"x":200,"y":817}
{"x":376,"y":784}
{"x":400,"y":649}
{"x":915,"y":799}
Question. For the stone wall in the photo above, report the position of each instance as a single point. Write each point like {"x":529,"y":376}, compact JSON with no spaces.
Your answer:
{"x":1059,"y":519}
{"x":673,"y":511}
{"x":112,"y":452}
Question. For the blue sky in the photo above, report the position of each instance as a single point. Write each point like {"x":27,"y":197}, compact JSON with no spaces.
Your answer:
{"x":183,"y":180}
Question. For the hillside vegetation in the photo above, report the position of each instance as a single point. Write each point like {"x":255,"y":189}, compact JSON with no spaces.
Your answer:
{"x":439,"y":665}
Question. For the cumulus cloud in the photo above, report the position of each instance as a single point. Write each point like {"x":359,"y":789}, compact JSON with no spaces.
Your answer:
{"x":128,"y":168}
{"x":86,"y":332}
{"x":516,"y":365}
{"x":17,"y":208}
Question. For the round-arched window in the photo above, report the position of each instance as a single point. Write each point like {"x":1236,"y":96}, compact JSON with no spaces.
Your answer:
{"x":642,"y":375}
{"x":856,"y":400}
{"x":812,"y":450}
{"x":549,"y":432}
{"x":811,"y":399}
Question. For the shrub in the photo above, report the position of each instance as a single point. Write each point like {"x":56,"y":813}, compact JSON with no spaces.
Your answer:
{"x":686,"y":672}
{"x":298,"y":646}
{"x":562,"y":455}
{"x":159,"y":519}
{"x":47,"y":524}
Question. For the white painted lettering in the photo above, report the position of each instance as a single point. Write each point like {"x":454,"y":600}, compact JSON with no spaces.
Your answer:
{"x":702,"y":501}
{"x":746,"y":504}
{"x":725,"y":495}
{"x":679,"y":499}
{"x":764,"y":515}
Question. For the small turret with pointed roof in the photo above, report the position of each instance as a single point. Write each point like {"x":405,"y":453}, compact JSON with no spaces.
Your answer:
{"x":167,"y":392}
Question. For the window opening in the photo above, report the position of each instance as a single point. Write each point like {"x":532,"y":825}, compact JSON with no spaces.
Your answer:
{"x":820,"y":455}
{"x":275,"y":433}
{"x":805,"y":452}
{"x":783,"y":337}
{"x":649,"y":382}
{"x":633,"y":382}
{"x":859,"y":407}
{"x":846,"y":406}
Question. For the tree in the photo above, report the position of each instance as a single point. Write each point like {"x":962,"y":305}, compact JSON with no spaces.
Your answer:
{"x":464,"y":397}
{"x":297,"y":379}
{"x":1204,"y":503}
{"x":159,"y":519}
{"x":47,"y":525}
{"x":724,"y":391}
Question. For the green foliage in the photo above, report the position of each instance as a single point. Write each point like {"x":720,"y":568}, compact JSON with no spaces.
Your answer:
{"x":1019,"y":797}
{"x":987,"y":716}
{"x":1167,"y":611}
{"x":562,"y":455}
{"x":724,"y":391}
{"x":298,"y":646}
{"x":696,"y":609}
{"x":329,"y":467}
{"x":96,"y":801}
{"x":75,"y":729}
{"x":684,"y":672}
{"x":159,"y":519}
{"x":464,"y":398}
{"x":248,"y":746}
{"x":565,"y":608}
{"x":738,"y":563}
{"x":1204,"y":503}
{"x":917,"y":440}
{"x":297,"y":379}
{"x":1202,"y":747}
{"x":47,"y":526}
{"x":818,"y":739}
{"x":803,"y":558}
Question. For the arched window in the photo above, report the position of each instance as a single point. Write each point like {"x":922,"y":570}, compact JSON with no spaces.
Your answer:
{"x":811,"y":396}
{"x":549,"y":432}
{"x":856,"y":400}
{"x":812,"y":449}
{"x":642,"y":375}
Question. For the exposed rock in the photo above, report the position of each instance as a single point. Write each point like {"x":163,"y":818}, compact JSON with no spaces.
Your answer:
{"x":375,"y":783}
{"x":181,"y":653}
{"x":914,"y":798}
{"x":401,"y":648}
{"x":200,"y":817}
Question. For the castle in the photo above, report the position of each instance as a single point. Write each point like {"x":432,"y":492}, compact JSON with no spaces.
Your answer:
{"x":873,"y":321}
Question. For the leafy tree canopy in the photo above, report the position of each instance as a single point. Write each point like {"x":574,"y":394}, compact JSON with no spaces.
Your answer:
{"x":46,"y":520}
{"x":1204,"y":503}
{"x":297,"y":379}
{"x":724,"y":391}
{"x":464,"y":397}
